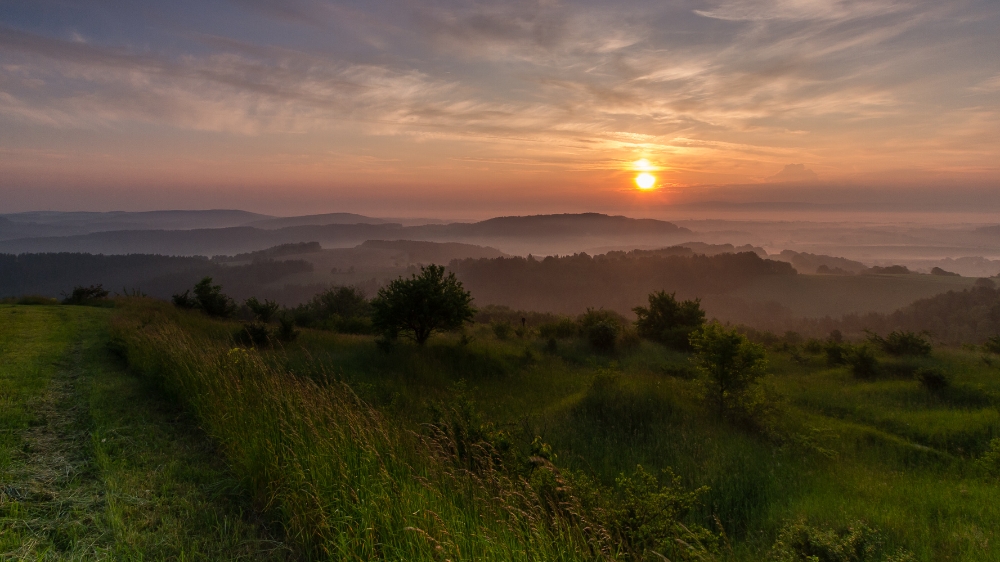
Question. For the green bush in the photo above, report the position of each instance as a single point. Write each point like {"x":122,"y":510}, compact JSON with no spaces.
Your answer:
{"x":564,"y":328}
{"x":502,"y":330}
{"x":342,"y":309}
{"x":900,"y":342}
{"x":934,"y":380}
{"x":286,"y":329}
{"x":253,"y":334}
{"x":601,"y":328}
{"x":836,"y":354}
{"x":813,"y":346}
{"x":668,"y":321}
{"x":800,"y":542}
{"x":603,"y":336}
{"x":863,"y":363}
{"x":93,"y":294}
{"x":989,"y":463}
{"x":184,"y":300}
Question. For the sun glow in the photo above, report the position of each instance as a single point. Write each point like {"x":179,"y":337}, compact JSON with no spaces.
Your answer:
{"x":645,"y":181}
{"x":643,"y":165}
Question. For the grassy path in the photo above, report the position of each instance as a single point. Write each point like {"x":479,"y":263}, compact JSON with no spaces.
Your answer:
{"x":96,"y":465}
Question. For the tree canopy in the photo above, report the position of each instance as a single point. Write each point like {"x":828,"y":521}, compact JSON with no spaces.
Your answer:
{"x":419,"y":306}
{"x":669,"y":321}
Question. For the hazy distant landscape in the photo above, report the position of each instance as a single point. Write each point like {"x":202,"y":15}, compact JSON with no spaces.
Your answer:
{"x":500,"y":281}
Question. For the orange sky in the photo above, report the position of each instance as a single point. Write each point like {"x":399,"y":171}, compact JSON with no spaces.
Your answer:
{"x":457,"y":108}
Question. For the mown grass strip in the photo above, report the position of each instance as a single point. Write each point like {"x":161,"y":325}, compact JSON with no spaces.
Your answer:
{"x":101,"y":465}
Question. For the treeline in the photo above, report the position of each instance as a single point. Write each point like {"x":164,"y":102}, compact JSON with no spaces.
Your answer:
{"x":52,"y":275}
{"x":968,"y":316}
{"x":617,"y":280}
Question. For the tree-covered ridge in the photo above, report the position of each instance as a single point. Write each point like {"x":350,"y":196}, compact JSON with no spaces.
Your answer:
{"x":615,"y":280}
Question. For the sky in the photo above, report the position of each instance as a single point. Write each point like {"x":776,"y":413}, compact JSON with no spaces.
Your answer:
{"x":472,"y":109}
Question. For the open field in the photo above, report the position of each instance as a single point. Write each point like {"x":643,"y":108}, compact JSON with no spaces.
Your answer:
{"x":96,"y":464}
{"x":339,"y":474}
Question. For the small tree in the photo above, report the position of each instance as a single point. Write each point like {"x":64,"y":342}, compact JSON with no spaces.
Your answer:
{"x":731,"y":364}
{"x":263,"y":311}
{"x":211,"y":299}
{"x":419,"y":306}
{"x":668,"y":321}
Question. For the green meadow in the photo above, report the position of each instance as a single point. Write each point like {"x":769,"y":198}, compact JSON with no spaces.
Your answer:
{"x":181,"y":445}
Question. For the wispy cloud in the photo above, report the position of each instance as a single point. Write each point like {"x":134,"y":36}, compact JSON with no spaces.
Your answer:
{"x":730,"y":88}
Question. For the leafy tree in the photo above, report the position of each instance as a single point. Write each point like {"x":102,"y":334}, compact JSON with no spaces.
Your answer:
{"x":264,"y":311}
{"x":668,"y":321}
{"x":731,"y":363}
{"x":211,"y":299}
{"x":419,"y":306}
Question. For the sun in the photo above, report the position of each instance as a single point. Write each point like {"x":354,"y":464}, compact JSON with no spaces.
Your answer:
{"x":645,"y":181}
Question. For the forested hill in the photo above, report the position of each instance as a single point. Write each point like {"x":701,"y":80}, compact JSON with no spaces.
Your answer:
{"x":968,"y":316}
{"x":51,"y":275}
{"x":616,"y":280}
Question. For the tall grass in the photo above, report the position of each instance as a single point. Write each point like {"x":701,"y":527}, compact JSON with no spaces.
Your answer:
{"x":344,"y":483}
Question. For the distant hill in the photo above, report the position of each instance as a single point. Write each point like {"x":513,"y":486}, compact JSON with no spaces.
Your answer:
{"x":53,"y":223}
{"x":805,"y":262}
{"x":433,"y":252}
{"x":540,"y":233}
{"x":315,"y":220}
{"x":583,"y":224}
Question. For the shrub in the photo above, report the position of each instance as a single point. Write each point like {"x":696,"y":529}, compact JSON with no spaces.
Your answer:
{"x":989,"y":463}
{"x":732,"y":365}
{"x":253,"y":334}
{"x":668,"y":321}
{"x":86,"y":295}
{"x":212,"y":301}
{"x":35,"y":299}
{"x":286,"y":329}
{"x":563,"y":328}
{"x":502,"y":330}
{"x":864,"y":364}
{"x":342,"y":309}
{"x":263,"y":311}
{"x":813,"y":346}
{"x":601,"y":328}
{"x":900,"y":342}
{"x":419,"y":306}
{"x":836,"y":354}
{"x":184,"y":300}
{"x":800,"y":542}
{"x":602,"y":336}
{"x":933,"y":380}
